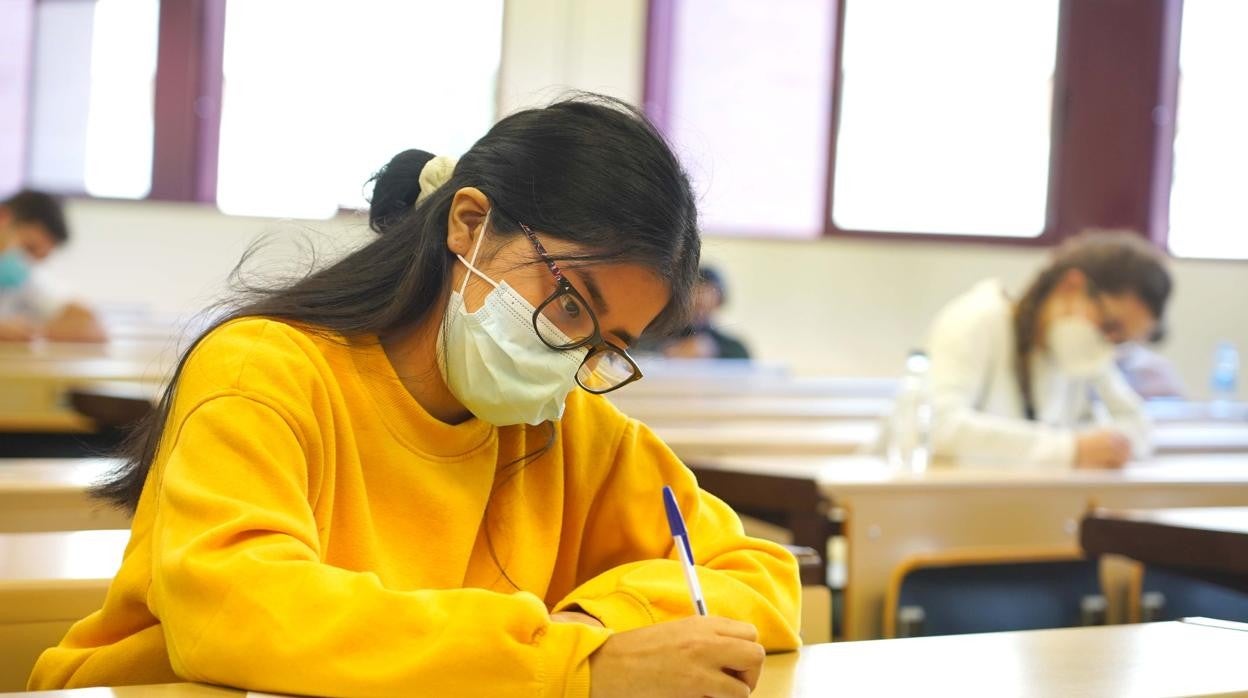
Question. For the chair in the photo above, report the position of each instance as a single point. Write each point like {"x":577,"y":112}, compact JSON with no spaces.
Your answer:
{"x":1170,"y":595}
{"x":816,"y":598}
{"x":113,"y":405}
{"x":993,"y":589}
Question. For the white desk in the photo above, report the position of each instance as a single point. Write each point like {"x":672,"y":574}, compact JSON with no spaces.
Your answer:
{"x":889,"y":516}
{"x":37,"y":378}
{"x":50,"y":494}
{"x":764,"y":384}
{"x":700,"y":408}
{"x":714,"y":438}
{"x":1200,"y":437}
{"x":1159,"y":659}
{"x":48,"y":581}
{"x":694,"y":442}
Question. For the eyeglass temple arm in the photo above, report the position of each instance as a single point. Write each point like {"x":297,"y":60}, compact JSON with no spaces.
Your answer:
{"x":541,"y":251}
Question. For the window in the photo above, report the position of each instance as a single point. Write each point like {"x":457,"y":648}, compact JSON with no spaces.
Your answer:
{"x":233,"y":103}
{"x":1207,"y":213}
{"x":945,"y":117}
{"x":91,"y":117}
{"x":746,"y":108}
{"x":949,"y":143}
{"x":1024,"y":122}
{"x":16,"y":25}
{"x":308,"y":116}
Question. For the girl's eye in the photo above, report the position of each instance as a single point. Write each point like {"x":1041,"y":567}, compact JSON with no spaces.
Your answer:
{"x":571,"y":308}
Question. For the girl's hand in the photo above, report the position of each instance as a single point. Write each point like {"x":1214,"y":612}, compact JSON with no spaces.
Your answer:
{"x":688,"y":658}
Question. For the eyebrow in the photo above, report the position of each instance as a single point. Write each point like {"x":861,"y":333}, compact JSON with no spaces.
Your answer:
{"x":595,"y":295}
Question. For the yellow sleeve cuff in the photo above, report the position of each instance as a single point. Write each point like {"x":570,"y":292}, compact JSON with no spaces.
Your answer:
{"x":567,"y":647}
{"x":619,"y":610}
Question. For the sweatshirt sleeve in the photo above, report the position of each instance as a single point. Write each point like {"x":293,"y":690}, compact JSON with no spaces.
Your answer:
{"x":245,"y":600}
{"x":632,"y":572}
{"x":961,"y":368}
{"x":1126,"y":411}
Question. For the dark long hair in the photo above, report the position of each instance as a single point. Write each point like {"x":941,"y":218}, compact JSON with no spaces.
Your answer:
{"x":588,"y":169}
{"x":1114,"y":262}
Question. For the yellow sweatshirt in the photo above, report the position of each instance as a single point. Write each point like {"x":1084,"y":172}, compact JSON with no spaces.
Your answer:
{"x":308,"y":528}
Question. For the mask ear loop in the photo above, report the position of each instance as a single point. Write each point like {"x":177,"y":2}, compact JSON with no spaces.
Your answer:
{"x":475,"y":249}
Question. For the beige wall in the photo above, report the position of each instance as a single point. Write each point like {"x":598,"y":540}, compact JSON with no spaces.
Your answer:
{"x":849,"y":307}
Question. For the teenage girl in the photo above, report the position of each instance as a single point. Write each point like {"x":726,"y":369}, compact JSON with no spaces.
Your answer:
{"x":396,"y":476}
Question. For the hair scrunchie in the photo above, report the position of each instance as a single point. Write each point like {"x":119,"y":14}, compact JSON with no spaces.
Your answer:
{"x":434,"y":174}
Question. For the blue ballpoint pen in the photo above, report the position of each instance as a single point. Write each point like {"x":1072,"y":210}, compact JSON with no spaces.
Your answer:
{"x":677,"y":523}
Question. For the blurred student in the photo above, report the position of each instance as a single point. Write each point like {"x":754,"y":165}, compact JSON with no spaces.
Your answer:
{"x":1013,"y":380}
{"x":703,"y":339}
{"x":32,"y":226}
{"x":383,"y":479}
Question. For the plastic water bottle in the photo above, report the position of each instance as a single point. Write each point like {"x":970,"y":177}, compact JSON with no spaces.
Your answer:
{"x":1225,"y":377}
{"x":909,"y":442}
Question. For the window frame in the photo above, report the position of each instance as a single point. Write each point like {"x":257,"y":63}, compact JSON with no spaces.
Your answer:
{"x":187,"y":102}
{"x":1127,"y":86}
{"x":189,"y":80}
{"x":186,"y":105}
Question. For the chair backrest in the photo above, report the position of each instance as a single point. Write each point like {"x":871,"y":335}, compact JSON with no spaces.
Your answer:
{"x":1170,"y":595}
{"x":993,"y":590}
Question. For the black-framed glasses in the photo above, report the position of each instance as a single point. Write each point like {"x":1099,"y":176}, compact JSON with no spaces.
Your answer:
{"x":564,"y":321}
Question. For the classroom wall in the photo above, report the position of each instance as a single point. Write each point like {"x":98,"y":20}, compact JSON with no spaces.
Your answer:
{"x":847,"y":307}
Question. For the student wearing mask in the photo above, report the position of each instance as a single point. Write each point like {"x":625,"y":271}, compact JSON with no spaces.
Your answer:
{"x":32,"y":226}
{"x":1013,"y":381}
{"x":396,"y":476}
{"x":703,"y":339}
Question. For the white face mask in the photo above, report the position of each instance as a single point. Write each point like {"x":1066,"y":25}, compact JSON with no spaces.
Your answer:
{"x":1078,"y":347}
{"x":493,"y":361}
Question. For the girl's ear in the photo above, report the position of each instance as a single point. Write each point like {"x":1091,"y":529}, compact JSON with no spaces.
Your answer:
{"x":463,"y":225}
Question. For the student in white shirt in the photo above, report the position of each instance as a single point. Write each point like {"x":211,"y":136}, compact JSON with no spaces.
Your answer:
{"x":32,"y":226}
{"x":1031,"y":381}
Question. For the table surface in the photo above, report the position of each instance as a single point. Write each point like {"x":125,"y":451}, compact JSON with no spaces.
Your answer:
{"x":691,"y":441}
{"x":51,"y":494}
{"x":840,"y":474}
{"x":696,"y":439}
{"x":23,"y":476}
{"x":1122,"y":660}
{"x":702,"y":408}
{"x":889,"y":516}
{"x":1193,"y":657}
{"x":57,"y":556}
